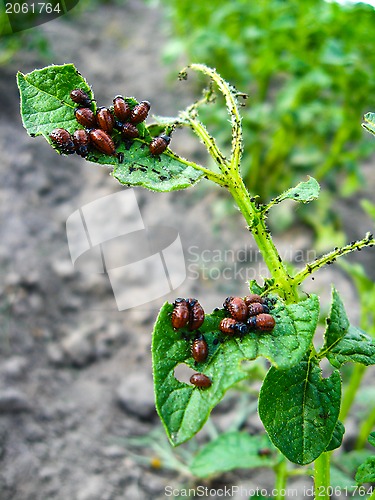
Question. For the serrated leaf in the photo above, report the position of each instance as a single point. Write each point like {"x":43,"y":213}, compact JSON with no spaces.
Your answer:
{"x":299,"y":410}
{"x":356,"y":346}
{"x":338,"y":434}
{"x":337,"y":322}
{"x":234,"y":450}
{"x":370,"y":123}
{"x":45,"y":98}
{"x":288,"y":342}
{"x":46,"y":105}
{"x":304,"y":192}
{"x":366,"y":471}
{"x":184,"y":409}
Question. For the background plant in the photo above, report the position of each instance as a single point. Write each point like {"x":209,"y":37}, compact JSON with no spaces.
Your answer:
{"x":300,"y":63}
{"x":299,"y":408}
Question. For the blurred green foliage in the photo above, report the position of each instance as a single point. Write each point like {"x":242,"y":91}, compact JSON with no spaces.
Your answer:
{"x":308,"y":69}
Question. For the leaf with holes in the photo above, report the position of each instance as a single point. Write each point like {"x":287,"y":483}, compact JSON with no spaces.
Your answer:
{"x":299,"y":410}
{"x":46,"y":105}
{"x":184,"y":409}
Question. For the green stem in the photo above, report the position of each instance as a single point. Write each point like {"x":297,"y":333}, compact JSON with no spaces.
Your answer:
{"x":234,"y":183}
{"x":365,"y":429}
{"x":281,"y":479}
{"x":257,"y":226}
{"x":351,"y":390}
{"x":322,"y":476}
{"x":330,"y":257}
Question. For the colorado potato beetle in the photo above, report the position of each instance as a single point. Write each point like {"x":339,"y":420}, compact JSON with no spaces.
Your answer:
{"x":257,"y":308}
{"x":180,"y":314}
{"x":159,"y":144}
{"x":102,"y":142}
{"x":237,"y":308}
{"x":63,"y":139}
{"x":199,"y":349}
{"x":105,"y":119}
{"x":200,"y":380}
{"x":249,"y":299}
{"x":196,"y":314}
{"x":85,"y":117}
{"x":80,"y":97}
{"x":121,"y":108}
{"x":261,"y":322}
{"x":139,"y":112}
{"x":129,"y":131}
{"x":81,"y":142}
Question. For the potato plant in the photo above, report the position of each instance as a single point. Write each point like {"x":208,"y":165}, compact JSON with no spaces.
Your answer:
{"x":298,"y":406}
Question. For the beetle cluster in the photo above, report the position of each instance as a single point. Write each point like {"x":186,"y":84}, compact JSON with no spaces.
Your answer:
{"x":248,"y":314}
{"x":190,"y":314}
{"x":245,"y":315}
{"x":99,"y":126}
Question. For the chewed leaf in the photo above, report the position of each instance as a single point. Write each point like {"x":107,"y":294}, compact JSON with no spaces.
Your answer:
{"x":184,"y":409}
{"x":304,"y":192}
{"x":46,"y":105}
{"x":370,"y":123}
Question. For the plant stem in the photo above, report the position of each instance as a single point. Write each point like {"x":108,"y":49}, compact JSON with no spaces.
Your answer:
{"x":322,"y":476}
{"x":351,"y":390}
{"x":330,"y":257}
{"x":257,"y":226}
{"x":281,"y":479}
{"x":365,"y":429}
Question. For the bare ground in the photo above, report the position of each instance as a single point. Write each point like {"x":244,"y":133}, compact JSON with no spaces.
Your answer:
{"x":75,"y":373}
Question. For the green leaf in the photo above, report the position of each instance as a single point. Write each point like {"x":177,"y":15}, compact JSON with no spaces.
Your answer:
{"x":370,"y":123}
{"x":299,"y":410}
{"x":371,"y":438}
{"x":337,"y":322}
{"x":45,"y":99}
{"x":304,"y":192}
{"x":184,"y":409}
{"x":366,"y":471}
{"x":338,"y":434}
{"x":234,"y":450}
{"x":46,"y":105}
{"x":142,"y":169}
{"x":356,"y":346}
{"x":288,"y":342}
